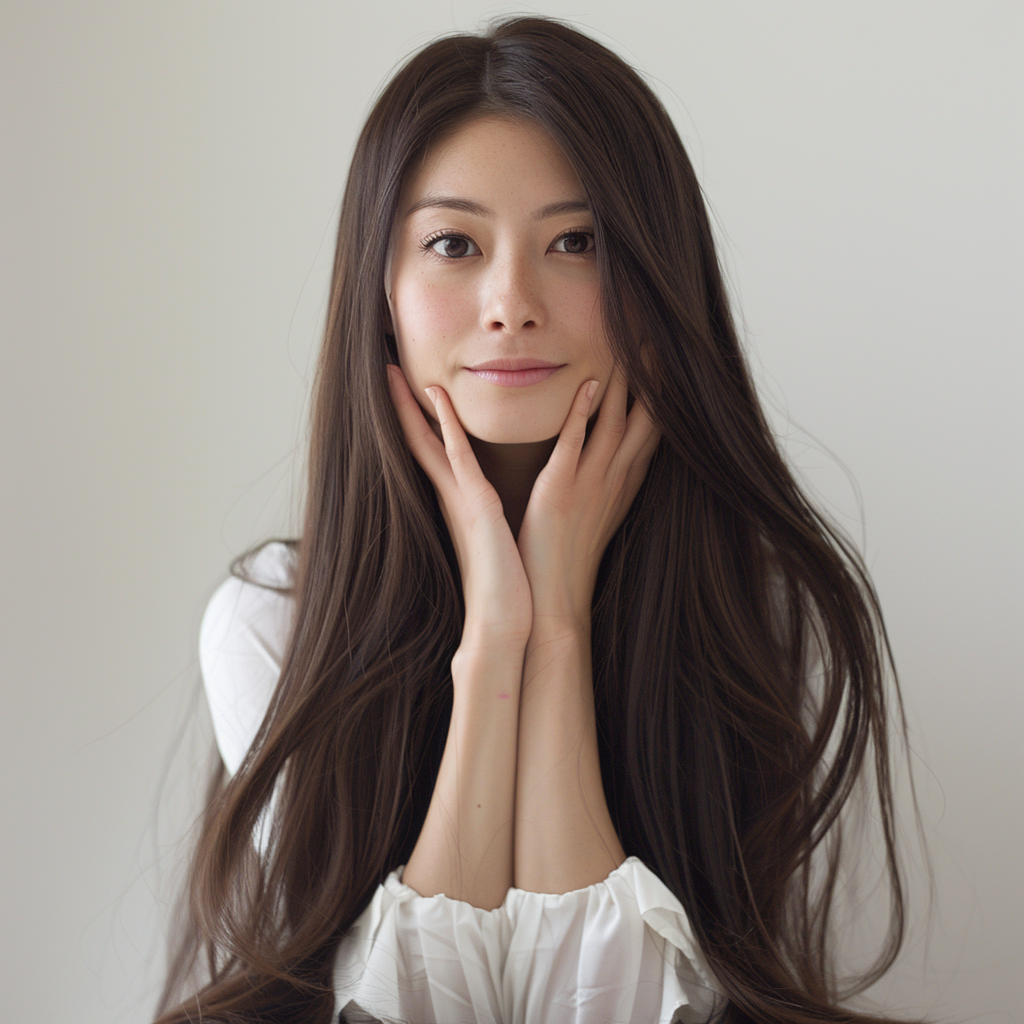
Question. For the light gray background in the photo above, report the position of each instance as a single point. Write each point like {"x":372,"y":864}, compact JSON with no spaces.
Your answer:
{"x":171,"y":178}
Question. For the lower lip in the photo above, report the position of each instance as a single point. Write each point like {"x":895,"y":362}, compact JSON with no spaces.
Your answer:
{"x":516,"y":378}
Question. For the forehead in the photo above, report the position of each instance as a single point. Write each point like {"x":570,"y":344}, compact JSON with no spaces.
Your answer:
{"x":494,"y":159}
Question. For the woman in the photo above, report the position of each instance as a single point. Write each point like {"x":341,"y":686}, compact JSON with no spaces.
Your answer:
{"x":552,"y":712}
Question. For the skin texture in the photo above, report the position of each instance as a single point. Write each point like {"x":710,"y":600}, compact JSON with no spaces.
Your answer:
{"x":516,"y":287}
{"x":530,"y":502}
{"x":513,"y":286}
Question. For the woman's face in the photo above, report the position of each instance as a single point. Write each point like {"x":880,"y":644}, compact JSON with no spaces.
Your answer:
{"x":494,"y":272}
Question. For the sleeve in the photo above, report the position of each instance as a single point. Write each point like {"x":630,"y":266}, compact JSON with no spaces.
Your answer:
{"x":242,"y":640}
{"x":619,"y":951}
{"x":421,"y":959}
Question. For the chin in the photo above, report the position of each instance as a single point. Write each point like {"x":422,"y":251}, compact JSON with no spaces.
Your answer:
{"x":524,"y":431}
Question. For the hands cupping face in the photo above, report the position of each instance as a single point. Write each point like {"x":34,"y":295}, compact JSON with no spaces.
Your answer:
{"x":545,"y":581}
{"x":494,"y":583}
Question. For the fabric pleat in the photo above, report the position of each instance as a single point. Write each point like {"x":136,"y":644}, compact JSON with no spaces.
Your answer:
{"x":618,"y":951}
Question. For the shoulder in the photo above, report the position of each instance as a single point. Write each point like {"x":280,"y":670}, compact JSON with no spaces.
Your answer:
{"x":242,"y":641}
{"x":257,"y":601}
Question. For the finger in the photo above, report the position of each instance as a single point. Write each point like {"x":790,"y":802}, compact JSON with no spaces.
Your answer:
{"x":642,"y":434}
{"x":641,"y":464}
{"x":611,"y":420}
{"x":461,"y":457}
{"x":565,"y":456}
{"x":426,"y":448}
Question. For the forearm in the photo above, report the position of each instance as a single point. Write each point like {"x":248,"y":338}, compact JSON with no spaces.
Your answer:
{"x":465,"y":847}
{"x":564,"y":837}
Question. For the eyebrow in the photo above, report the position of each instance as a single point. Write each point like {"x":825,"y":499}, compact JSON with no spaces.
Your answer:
{"x":469,"y":206}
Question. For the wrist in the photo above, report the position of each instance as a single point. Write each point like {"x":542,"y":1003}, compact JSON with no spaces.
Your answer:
{"x":488,"y":661}
{"x":558,"y":658}
{"x":561,"y":631}
{"x":504,"y":637}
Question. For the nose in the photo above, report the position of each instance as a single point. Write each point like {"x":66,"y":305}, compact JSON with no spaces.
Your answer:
{"x":511,"y":299}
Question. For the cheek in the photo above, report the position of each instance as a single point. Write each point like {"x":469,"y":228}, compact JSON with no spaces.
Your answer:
{"x":580,"y":316}
{"x":429,"y":318}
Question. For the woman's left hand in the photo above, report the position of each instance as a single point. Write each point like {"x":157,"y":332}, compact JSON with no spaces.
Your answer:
{"x":578,"y":502}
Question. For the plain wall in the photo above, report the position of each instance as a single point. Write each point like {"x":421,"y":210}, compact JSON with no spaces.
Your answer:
{"x":171,"y":179}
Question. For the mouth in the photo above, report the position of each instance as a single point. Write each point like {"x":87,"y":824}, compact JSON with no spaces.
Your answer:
{"x":515,"y":364}
{"x":515,"y":373}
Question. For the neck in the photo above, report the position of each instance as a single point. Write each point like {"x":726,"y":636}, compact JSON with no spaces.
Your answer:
{"x":512,"y":469}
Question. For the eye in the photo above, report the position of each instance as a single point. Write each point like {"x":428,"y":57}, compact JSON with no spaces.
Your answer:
{"x":451,"y":246}
{"x":577,"y":243}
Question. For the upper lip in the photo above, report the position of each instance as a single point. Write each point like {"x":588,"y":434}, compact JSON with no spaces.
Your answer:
{"x":515,"y":364}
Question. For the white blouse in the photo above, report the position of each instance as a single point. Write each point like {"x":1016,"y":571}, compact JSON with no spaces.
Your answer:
{"x":621,"y":950}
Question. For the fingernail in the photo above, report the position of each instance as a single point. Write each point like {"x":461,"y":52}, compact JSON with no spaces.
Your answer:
{"x":432,"y":395}
{"x":591,"y":390}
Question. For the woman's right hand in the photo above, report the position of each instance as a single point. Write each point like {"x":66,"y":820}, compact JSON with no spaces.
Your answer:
{"x":499,"y":606}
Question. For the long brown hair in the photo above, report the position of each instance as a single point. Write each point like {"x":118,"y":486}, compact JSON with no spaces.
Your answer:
{"x":725,"y":769}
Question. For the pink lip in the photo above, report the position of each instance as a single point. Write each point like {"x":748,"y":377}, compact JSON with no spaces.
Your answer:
{"x":515,"y":373}
{"x":516,"y":378}
{"x":515,"y":364}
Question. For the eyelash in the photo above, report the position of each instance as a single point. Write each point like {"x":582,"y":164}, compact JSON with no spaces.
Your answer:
{"x":428,"y":243}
